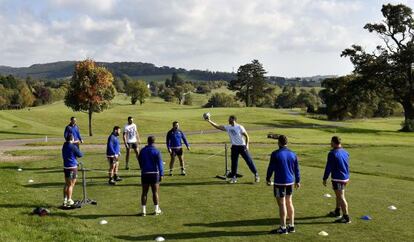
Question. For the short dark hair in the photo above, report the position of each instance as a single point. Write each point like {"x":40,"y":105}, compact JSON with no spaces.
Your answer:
{"x":116,"y":127}
{"x":283,"y":140}
{"x":336,"y":140}
{"x":72,"y":118}
{"x":151,"y":139}
{"x":129,"y":118}
{"x":175,"y":122}
{"x":69,"y":137}
{"x":233,"y":117}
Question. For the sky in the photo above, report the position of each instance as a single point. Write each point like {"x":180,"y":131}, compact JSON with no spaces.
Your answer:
{"x":290,"y":38}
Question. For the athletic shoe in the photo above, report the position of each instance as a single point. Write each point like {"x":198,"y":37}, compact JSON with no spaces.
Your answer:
{"x":126,"y":167}
{"x":117,"y":178}
{"x":70,"y":202}
{"x":112,"y":182}
{"x":158,"y":212}
{"x":183,"y":173}
{"x":291,"y":229}
{"x":334,"y":213}
{"x":256,"y":178}
{"x":142,"y":214}
{"x":343,"y":220}
{"x":280,"y":230}
{"x":65,"y":203}
{"x":233,"y":180}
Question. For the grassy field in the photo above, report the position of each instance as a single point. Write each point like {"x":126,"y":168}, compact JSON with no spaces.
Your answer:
{"x":199,"y":207}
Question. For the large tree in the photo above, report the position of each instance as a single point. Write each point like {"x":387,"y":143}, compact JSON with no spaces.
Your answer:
{"x":389,"y":68}
{"x":250,"y":83}
{"x":90,"y":90}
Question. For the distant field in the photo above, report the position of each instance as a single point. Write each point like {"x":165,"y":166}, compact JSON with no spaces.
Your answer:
{"x":199,"y":207}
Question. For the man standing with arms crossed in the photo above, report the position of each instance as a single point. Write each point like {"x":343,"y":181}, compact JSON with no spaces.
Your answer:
{"x":70,"y":167}
{"x":152,"y":171}
{"x":284,"y":164}
{"x":113,"y":151}
{"x":131,"y":140}
{"x":174,"y":146}
{"x":239,"y":146}
{"x":338,"y":167}
{"x":73,"y":129}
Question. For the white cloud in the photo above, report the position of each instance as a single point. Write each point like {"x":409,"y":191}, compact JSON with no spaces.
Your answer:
{"x":208,"y":34}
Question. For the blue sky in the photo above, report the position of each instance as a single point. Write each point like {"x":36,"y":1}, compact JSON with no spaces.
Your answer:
{"x":289,"y":37}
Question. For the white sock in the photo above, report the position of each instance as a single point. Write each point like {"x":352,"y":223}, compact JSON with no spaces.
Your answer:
{"x":291,"y":225}
{"x":157,"y":207}
{"x":144,"y":209}
{"x":283,"y":227}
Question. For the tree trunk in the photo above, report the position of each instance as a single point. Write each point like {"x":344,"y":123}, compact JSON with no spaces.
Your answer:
{"x":90,"y":121}
{"x":408,"y":106}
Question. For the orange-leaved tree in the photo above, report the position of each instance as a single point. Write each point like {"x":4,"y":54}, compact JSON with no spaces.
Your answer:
{"x":91,"y":89}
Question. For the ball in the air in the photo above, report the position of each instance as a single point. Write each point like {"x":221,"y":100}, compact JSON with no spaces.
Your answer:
{"x":206,"y":116}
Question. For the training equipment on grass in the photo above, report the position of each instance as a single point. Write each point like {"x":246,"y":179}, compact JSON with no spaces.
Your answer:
{"x":20,"y":169}
{"x":327,"y":195}
{"x":272,"y":136}
{"x":366,"y":217}
{"x":392,"y":207}
{"x":30,"y":181}
{"x":103,"y":221}
{"x":41,"y":211}
{"x":159,"y":238}
{"x":323,"y":233}
{"x":226,"y":167}
{"x":206,"y":116}
{"x":85,"y":200}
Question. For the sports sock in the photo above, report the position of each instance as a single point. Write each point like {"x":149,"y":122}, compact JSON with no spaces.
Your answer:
{"x":144,"y":209}
{"x":157,"y":207}
{"x":283,"y":227}
{"x":291,"y":225}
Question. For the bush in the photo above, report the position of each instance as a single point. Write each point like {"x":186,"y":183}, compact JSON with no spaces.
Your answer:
{"x":221,"y":100}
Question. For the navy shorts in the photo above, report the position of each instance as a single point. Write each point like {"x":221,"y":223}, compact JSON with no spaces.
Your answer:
{"x":176,"y":151}
{"x":340,"y":186}
{"x":150,"y":178}
{"x":71,"y":173}
{"x":282,"y":191}
{"x":132,"y":146}
{"x":112,"y":160}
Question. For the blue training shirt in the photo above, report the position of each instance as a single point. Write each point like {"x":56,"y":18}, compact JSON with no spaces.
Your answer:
{"x":284,"y":164}
{"x":150,"y":160}
{"x":69,"y":154}
{"x":74,"y":130}
{"x":174,"y":138}
{"x":113,"y":147}
{"x":337,"y":165}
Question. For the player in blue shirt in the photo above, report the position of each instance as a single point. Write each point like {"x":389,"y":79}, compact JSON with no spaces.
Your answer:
{"x":284,"y":165}
{"x":70,"y":153}
{"x":113,"y":151}
{"x":338,"y":167}
{"x":73,"y":129}
{"x":174,"y":145}
{"x":152,"y":171}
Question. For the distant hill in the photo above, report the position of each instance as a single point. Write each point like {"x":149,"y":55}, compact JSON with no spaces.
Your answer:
{"x":64,"y":69}
{"x":145,"y":71}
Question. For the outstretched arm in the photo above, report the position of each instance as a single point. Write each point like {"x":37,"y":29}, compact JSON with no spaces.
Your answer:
{"x":220,"y":127}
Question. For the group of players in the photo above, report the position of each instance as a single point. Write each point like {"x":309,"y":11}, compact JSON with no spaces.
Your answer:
{"x":283,"y":165}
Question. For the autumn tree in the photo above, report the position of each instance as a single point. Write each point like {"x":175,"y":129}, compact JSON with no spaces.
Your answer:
{"x":91,"y":89}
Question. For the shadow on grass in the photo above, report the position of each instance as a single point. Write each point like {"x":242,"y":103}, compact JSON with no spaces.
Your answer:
{"x":331,"y":128}
{"x":207,"y":183}
{"x":20,"y":133}
{"x":196,"y":235}
{"x":257,"y":222}
{"x":91,"y":216}
{"x":48,"y":169}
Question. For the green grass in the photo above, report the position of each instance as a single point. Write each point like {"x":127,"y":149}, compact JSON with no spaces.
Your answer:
{"x":199,"y":207}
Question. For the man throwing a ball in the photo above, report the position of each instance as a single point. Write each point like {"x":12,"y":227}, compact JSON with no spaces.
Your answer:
{"x":239,"y":146}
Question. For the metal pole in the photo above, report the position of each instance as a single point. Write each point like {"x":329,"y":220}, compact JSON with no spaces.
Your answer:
{"x":225,"y":161}
{"x":83,"y":182}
